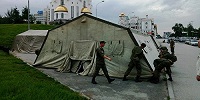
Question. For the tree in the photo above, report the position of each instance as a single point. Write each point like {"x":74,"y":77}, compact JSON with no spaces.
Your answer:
{"x":9,"y":15}
{"x":38,"y":22}
{"x":25,"y":13}
{"x":1,"y":19}
{"x":178,"y":29}
{"x":32,"y":19}
{"x":13,"y":16}
{"x":190,"y":30}
{"x":198,"y":32}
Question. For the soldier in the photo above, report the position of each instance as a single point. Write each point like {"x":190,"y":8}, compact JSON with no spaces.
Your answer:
{"x":160,"y":64}
{"x":172,"y":46}
{"x":100,"y":63}
{"x":165,"y":54}
{"x":137,"y":54}
{"x":164,"y":61}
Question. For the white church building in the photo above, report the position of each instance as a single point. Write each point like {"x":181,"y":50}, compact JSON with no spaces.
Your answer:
{"x":63,"y":10}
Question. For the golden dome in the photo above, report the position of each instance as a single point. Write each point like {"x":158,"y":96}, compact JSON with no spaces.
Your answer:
{"x":122,"y":15}
{"x":61,"y":9}
{"x":85,"y":10}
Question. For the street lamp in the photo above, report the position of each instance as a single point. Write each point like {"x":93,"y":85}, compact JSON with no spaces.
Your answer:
{"x":97,"y":5}
{"x":28,"y":16}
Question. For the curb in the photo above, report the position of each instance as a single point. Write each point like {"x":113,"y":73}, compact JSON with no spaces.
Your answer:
{"x":170,"y":90}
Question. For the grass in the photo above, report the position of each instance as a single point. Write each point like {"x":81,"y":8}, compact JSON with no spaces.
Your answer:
{"x":9,"y":31}
{"x":19,"y":81}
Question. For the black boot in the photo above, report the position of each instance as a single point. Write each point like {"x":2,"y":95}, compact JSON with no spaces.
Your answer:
{"x":93,"y":81}
{"x":110,"y":80}
{"x":124,"y":79}
{"x":137,"y":79}
{"x":170,"y":79}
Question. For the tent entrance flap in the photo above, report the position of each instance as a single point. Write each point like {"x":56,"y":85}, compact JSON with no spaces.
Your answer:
{"x":81,"y":56}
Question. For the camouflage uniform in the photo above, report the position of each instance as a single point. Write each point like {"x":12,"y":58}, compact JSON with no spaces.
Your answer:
{"x":100,"y":64}
{"x":137,"y":54}
{"x":172,"y":45}
{"x":159,"y":64}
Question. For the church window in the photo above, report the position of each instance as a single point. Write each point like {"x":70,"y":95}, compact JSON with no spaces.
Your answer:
{"x":84,"y":4}
{"x":72,"y":11}
{"x":62,"y":2}
{"x":62,"y":15}
{"x":77,"y":10}
{"x":56,"y":15}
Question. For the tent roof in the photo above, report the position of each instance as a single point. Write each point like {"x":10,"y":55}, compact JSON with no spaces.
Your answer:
{"x":95,"y":18}
{"x":34,"y":33}
{"x":101,"y":20}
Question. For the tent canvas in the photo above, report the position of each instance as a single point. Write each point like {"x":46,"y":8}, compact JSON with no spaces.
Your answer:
{"x":151,"y":49}
{"x":73,"y":44}
{"x":29,"y":41}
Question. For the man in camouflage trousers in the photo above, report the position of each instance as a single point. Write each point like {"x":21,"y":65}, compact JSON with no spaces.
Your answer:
{"x":161,"y":63}
{"x":137,"y":54}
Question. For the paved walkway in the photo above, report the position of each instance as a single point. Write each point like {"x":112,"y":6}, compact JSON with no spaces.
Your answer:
{"x":117,"y":90}
{"x":185,"y":86}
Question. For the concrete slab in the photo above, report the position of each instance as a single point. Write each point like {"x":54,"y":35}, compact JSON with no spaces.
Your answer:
{"x":118,"y":90}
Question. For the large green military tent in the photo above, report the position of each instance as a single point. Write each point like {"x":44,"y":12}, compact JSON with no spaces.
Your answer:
{"x":71,"y":47}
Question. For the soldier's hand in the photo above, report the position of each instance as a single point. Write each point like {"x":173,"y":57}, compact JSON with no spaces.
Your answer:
{"x":109,"y":58}
{"x":198,"y":78}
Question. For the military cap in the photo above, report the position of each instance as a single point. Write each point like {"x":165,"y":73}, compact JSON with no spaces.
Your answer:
{"x":102,"y":42}
{"x":163,"y":48}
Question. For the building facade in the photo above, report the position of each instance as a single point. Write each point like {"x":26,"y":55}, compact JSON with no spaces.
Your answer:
{"x":123,"y":20}
{"x":46,"y":14}
{"x":146,"y":26}
{"x":166,"y":34}
{"x":67,"y":9}
{"x":143,"y":25}
{"x":63,"y":10}
{"x":40,"y":17}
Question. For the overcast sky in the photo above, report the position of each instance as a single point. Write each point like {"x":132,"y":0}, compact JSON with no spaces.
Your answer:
{"x":164,"y":12}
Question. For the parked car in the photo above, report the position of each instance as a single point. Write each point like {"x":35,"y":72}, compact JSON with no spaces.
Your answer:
{"x":168,"y":40}
{"x":187,"y":41}
{"x":177,"y":38}
{"x":193,"y":42}
{"x":182,"y":39}
{"x":158,"y":37}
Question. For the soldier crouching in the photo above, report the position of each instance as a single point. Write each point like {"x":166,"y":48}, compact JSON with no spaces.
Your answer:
{"x":160,"y":64}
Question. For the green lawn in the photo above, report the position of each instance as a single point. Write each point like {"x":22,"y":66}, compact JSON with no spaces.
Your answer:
{"x":9,"y":31}
{"x":18,"y":81}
